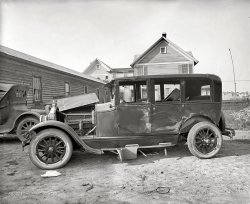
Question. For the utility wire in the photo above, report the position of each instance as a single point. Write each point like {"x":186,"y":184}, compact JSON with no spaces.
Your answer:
{"x":237,"y":80}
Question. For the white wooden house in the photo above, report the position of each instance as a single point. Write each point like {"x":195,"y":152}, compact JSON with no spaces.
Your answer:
{"x":99,"y":70}
{"x":164,"y":57}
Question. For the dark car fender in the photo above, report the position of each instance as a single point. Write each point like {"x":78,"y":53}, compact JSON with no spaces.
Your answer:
{"x":188,"y":123}
{"x":67,"y":129}
{"x":23,"y":115}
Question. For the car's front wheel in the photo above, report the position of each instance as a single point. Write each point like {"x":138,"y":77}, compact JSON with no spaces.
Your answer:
{"x":204,"y":140}
{"x":50,"y":149}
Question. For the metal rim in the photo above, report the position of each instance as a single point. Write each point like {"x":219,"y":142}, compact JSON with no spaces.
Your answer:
{"x":205,"y":140}
{"x":26,"y":126}
{"x":50,"y":149}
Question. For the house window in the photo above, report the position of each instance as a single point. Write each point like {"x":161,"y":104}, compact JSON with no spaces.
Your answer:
{"x":163,"y":50}
{"x":98,"y":93}
{"x":37,"y":89}
{"x":97,"y":66}
{"x":85,"y":89}
{"x":185,"y":69}
{"x":190,"y":67}
{"x":142,"y":70}
{"x":67,"y":89}
{"x":106,"y":77}
{"x":205,"y":90}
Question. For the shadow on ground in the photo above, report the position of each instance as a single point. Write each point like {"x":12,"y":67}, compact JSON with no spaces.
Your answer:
{"x":229,"y":148}
{"x":236,"y":147}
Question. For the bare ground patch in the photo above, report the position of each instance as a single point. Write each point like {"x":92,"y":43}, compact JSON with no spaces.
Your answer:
{"x":223,"y":179}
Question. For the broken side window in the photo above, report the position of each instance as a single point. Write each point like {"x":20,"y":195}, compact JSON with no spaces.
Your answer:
{"x":133,"y":92}
{"x":167,"y":90}
{"x":126,"y":93}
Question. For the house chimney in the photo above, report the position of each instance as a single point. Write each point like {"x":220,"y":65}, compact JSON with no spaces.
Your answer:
{"x":164,"y":35}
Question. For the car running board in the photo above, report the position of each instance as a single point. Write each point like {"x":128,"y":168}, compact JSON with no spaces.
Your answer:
{"x":130,"y":150}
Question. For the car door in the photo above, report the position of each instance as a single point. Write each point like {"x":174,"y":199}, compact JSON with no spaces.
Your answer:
{"x":167,"y":110}
{"x":133,"y":110}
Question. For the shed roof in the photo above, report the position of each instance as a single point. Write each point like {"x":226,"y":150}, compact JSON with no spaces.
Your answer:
{"x":50,"y":65}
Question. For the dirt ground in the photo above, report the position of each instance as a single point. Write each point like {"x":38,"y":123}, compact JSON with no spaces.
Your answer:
{"x":91,"y":178}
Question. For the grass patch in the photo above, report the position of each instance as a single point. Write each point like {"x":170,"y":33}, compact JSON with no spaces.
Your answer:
{"x":238,"y":119}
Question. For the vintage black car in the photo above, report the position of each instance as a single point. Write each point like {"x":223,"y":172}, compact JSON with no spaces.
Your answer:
{"x":146,"y":111}
{"x":14,"y":115}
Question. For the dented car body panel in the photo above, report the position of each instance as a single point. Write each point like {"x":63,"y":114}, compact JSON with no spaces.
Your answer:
{"x":150,"y":110}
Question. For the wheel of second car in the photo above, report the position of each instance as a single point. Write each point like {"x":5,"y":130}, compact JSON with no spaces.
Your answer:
{"x":50,"y":149}
{"x":204,"y":140}
{"x":25,"y":124}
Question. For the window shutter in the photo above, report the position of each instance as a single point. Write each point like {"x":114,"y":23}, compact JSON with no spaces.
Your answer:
{"x":190,"y":69}
{"x":145,"y":71}
{"x":185,"y":69}
{"x":180,"y":69}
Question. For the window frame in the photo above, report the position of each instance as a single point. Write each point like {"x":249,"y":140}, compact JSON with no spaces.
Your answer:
{"x":40,"y":90}
{"x":98,"y":93}
{"x":162,"y":90}
{"x":98,"y":66}
{"x":211,"y":83}
{"x":164,"y":50}
{"x":137,"y":85}
{"x":65,"y":91}
{"x":85,"y":89}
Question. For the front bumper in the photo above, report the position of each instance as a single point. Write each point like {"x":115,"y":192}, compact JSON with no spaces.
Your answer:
{"x":229,"y":132}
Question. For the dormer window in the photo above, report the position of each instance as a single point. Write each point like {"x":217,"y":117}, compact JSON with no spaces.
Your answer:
{"x":163,"y":50}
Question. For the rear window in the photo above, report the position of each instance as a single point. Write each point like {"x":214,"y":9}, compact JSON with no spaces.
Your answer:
{"x":198,"y":90}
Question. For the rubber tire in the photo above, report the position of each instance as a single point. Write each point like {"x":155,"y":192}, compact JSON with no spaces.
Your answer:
{"x":63,"y":136}
{"x":23,"y":121}
{"x":191,"y":139}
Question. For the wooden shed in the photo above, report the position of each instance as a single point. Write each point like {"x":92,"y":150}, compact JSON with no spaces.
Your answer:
{"x":46,"y":80}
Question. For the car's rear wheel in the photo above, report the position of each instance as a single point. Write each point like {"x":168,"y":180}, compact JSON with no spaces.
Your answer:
{"x":204,"y":140}
{"x":25,"y":124}
{"x":50,"y":149}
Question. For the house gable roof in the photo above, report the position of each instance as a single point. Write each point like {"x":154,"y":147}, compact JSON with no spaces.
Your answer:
{"x":94,"y":63}
{"x":49,"y":65}
{"x":188,"y":54}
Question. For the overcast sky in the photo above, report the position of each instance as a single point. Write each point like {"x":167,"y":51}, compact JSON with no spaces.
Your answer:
{"x":74,"y":33}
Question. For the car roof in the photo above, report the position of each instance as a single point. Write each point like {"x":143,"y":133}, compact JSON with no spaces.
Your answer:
{"x":170,"y":76}
{"x":7,"y":88}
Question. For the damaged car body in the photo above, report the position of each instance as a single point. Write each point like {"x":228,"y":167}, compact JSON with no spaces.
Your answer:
{"x":147,"y":111}
{"x":15,"y":117}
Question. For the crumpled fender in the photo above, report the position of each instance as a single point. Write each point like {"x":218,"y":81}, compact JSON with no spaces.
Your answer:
{"x":66,"y":128}
{"x":188,"y":123}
